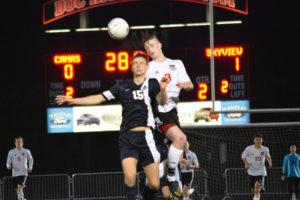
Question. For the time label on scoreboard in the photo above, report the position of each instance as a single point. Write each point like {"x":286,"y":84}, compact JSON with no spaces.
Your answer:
{"x":80,"y":74}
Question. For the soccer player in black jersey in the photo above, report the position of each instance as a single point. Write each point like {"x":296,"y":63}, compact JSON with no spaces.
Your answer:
{"x":138,"y":97}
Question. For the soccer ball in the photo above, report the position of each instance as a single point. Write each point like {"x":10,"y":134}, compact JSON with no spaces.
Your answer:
{"x":118,"y":28}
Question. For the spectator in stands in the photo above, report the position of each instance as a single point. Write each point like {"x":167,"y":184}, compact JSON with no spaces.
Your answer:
{"x":187,"y":166}
{"x":254,"y":157}
{"x":291,"y":171}
{"x":20,"y":161}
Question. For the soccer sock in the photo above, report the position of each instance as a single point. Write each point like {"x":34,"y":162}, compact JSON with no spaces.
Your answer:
{"x":150,"y":194}
{"x":186,"y":198}
{"x":256,"y":197}
{"x":20,"y":195}
{"x":130,"y":192}
{"x":173,"y":160}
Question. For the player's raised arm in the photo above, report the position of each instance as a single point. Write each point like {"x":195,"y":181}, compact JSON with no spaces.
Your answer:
{"x":162,"y":97}
{"x":88,"y":100}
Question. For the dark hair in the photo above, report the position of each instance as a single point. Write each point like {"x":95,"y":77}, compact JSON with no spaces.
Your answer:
{"x":19,"y":137}
{"x":258,"y":135}
{"x":140,"y":55}
{"x":148,"y":36}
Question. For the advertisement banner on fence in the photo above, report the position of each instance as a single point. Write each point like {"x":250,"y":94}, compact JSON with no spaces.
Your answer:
{"x":109,"y":117}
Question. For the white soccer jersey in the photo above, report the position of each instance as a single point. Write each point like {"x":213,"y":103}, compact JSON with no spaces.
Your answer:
{"x":256,"y":159}
{"x":19,"y":160}
{"x":175,"y":70}
{"x":191,"y":159}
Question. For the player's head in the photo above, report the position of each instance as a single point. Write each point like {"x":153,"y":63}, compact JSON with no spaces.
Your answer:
{"x":258,"y":139}
{"x":152,"y":45}
{"x":139,"y":64}
{"x":19,"y":142}
{"x":293,"y":149}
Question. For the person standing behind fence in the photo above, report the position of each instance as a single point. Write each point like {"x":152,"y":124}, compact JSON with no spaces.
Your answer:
{"x":291,"y":170}
{"x":254,"y":157}
{"x":20,"y":161}
{"x":187,"y":166}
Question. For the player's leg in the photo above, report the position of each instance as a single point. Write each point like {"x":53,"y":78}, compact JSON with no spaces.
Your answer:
{"x":129,"y":168}
{"x":149,"y":159}
{"x":259,"y":184}
{"x":152,"y":174}
{"x":20,"y":182}
{"x":178,"y":139}
{"x":297,"y":188}
{"x":187,"y":179}
{"x":20,"y":192}
{"x":290,"y":186}
{"x":166,"y":192}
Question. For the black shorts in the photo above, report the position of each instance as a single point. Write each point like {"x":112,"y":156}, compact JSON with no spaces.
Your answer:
{"x":168,"y":118}
{"x":254,"y":179}
{"x":139,"y":145}
{"x":186,"y":178}
{"x":19,"y":180}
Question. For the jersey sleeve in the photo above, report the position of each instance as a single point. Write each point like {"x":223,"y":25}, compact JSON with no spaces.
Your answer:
{"x":245,"y":153}
{"x":9,"y":160}
{"x":155,"y":87}
{"x":30,"y":159}
{"x":195,"y":160}
{"x":285,"y":165}
{"x":112,"y":93}
{"x":268,"y":153}
{"x":183,"y":76}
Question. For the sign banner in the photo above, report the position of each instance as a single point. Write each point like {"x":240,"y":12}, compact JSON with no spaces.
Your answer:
{"x":57,"y":9}
{"x":109,"y":117}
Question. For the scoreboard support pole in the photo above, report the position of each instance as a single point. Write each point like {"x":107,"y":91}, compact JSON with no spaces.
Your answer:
{"x":212,"y":58}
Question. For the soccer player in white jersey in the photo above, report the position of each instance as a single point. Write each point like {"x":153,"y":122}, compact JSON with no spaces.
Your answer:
{"x":159,"y":67}
{"x":136,"y":143}
{"x":187,"y":166}
{"x":254,"y":157}
{"x":20,"y":161}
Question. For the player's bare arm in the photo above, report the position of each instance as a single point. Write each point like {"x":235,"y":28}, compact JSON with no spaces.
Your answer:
{"x":187,"y":86}
{"x":88,"y":100}
{"x":247,"y":166}
{"x":162,"y":97}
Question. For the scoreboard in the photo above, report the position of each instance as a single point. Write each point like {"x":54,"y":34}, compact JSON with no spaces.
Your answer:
{"x":84,"y":73}
{"x":78,"y":74}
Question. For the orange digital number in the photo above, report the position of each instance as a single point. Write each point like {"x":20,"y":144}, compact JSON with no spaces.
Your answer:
{"x":123,"y":61}
{"x":69,"y":91}
{"x":110,"y":62}
{"x":224,"y":86}
{"x":68,"y":71}
{"x":202,"y":91}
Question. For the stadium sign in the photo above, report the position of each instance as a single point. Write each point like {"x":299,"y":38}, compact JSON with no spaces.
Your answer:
{"x":57,"y":9}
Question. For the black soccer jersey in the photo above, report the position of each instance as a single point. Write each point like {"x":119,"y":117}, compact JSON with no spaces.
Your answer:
{"x":137,"y":102}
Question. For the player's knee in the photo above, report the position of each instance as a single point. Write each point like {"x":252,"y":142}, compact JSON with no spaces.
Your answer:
{"x":154,"y":185}
{"x":180,"y":140}
{"x":130,"y":179}
{"x":185,"y":190}
{"x":19,"y":188}
{"x":257,"y":185}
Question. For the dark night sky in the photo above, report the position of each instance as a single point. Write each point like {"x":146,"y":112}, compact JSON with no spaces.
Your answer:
{"x":272,"y":28}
